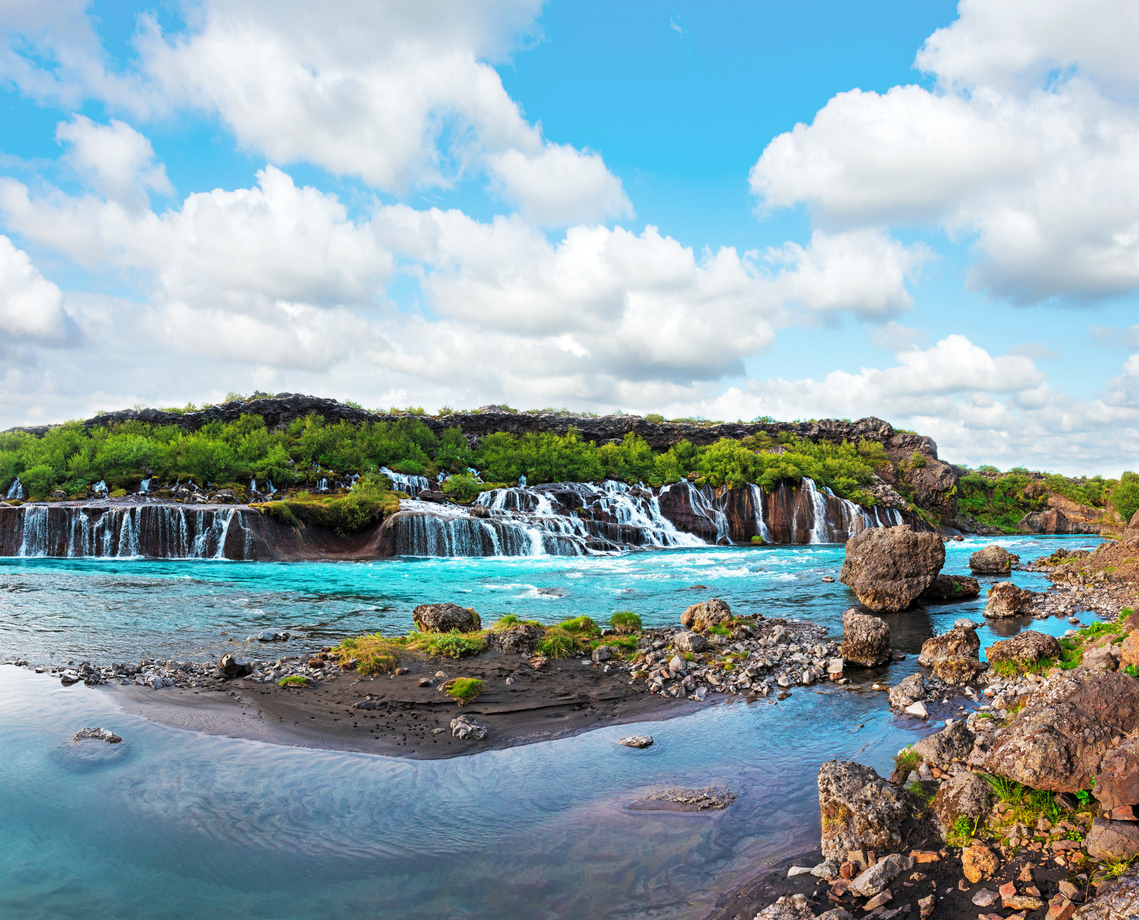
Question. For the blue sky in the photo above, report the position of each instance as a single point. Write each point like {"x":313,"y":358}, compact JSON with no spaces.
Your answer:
{"x":926,"y":212}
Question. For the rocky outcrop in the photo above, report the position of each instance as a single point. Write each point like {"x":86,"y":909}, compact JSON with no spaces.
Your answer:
{"x":1118,"y":900}
{"x":1112,"y":839}
{"x":1007,"y":600}
{"x":959,"y":642}
{"x":1028,"y":647}
{"x":992,"y":560}
{"x":963,"y":795}
{"x":1117,"y":784}
{"x":1059,"y":739}
{"x":706,"y":614}
{"x":445,"y":618}
{"x":866,"y":640}
{"x":520,"y":639}
{"x":859,"y":810}
{"x":888,"y":568}
{"x":949,"y":588}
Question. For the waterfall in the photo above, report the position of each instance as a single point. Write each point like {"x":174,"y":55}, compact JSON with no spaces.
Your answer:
{"x":761,"y":528}
{"x":419,"y":533}
{"x":144,"y":487}
{"x":819,"y":512}
{"x":16,"y":490}
{"x":410,"y":485}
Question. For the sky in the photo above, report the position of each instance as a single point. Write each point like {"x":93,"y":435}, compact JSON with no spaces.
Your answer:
{"x":923,"y":212}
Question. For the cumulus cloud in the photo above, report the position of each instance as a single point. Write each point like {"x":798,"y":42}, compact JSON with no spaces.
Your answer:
{"x":1033,"y":166}
{"x":31,"y":307}
{"x":117,"y":160}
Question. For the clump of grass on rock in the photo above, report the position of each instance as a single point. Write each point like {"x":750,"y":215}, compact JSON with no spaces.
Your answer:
{"x":556,"y":643}
{"x":464,"y":689}
{"x":294,"y":680}
{"x":625,"y":622}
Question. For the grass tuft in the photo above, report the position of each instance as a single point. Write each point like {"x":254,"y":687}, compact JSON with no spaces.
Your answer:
{"x":625,"y":622}
{"x":295,"y":680}
{"x":556,"y":643}
{"x":906,"y":761}
{"x":581,"y":626}
{"x":374,"y":654}
{"x":464,"y":689}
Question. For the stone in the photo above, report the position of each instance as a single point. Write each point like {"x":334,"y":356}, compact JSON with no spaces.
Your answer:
{"x":866,"y":640}
{"x":957,"y":643}
{"x":690,"y":642}
{"x":948,"y":588}
{"x":878,"y":900}
{"x":922,"y":857}
{"x":875,"y":879}
{"x":954,"y":742}
{"x":230,"y":667}
{"x":1022,"y":902}
{"x":1059,"y":739}
{"x":796,"y":871}
{"x":925,"y":906}
{"x":1112,"y":839}
{"x":917,"y":710}
{"x":992,"y":560}
{"x":1117,"y":783}
{"x":97,"y":734}
{"x":908,"y":691}
{"x":959,"y":672}
{"x":637,"y":741}
{"x":978,"y":862}
{"x":1104,"y":658}
{"x":1119,"y":902}
{"x":269,"y":635}
{"x":1062,"y":909}
{"x":467,"y":729}
{"x":793,"y":907}
{"x":836,"y":913}
{"x":827,"y":869}
{"x":859,"y":810}
{"x":423,"y":682}
{"x":368,"y":704}
{"x":1024,"y":648}
{"x":701,"y":617}
{"x":445,"y":618}
{"x":538,"y":662}
{"x":519,"y":639}
{"x":889,"y":567}
{"x":1007,"y":600}
{"x":985,"y":898}
{"x":603,"y":653}
{"x":1129,"y":650}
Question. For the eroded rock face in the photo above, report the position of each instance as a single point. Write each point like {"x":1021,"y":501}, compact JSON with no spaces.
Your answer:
{"x":520,"y":639}
{"x":958,"y":672}
{"x":959,"y":642}
{"x":1113,"y":839}
{"x":859,"y":810}
{"x":865,"y":640}
{"x":444,"y":618}
{"x":992,"y":560}
{"x":948,"y":588}
{"x":1027,"y":647}
{"x":1118,"y":780}
{"x":1007,"y":600}
{"x":706,"y":614}
{"x":1059,"y":739}
{"x":963,"y":795}
{"x":1121,"y":902}
{"x":889,"y":567}
{"x":954,"y":742}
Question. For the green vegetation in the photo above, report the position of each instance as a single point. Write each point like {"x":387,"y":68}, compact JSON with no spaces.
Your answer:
{"x":582,"y":627}
{"x":364,"y":504}
{"x":720,"y":630}
{"x":462,"y":487}
{"x":906,"y":761}
{"x":1009,"y":669}
{"x":294,"y":680}
{"x":625,"y":622}
{"x":962,"y":832}
{"x":374,"y":654}
{"x":556,"y":643}
{"x":464,"y":689}
{"x":1026,"y":805}
{"x":1130,"y":670}
{"x":1002,"y":499}
{"x":452,"y":644}
{"x":505,"y":622}
{"x":1125,"y":495}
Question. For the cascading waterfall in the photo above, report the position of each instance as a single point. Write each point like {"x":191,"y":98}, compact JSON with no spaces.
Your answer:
{"x":819,"y":507}
{"x":423,"y":532}
{"x":761,"y":528}
{"x":16,"y":490}
{"x":402,"y":482}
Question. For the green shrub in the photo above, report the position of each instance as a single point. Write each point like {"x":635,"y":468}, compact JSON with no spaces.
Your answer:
{"x":294,"y":680}
{"x":962,"y":832}
{"x":462,"y":487}
{"x":625,"y":622}
{"x":581,"y":626}
{"x":453,"y":644}
{"x":464,"y":689}
{"x":556,"y":643}
{"x":1125,"y":495}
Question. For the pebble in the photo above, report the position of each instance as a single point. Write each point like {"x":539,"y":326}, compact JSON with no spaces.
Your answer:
{"x":795,"y":871}
{"x":636,"y":741}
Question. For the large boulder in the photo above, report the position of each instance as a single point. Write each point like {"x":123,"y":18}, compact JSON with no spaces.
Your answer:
{"x":865,"y":640}
{"x":963,"y":795}
{"x":1113,"y":839}
{"x":958,"y":672}
{"x":445,"y":618}
{"x":519,"y":639}
{"x":690,"y":642}
{"x":948,"y":588}
{"x":1118,"y":780}
{"x":859,"y":810}
{"x":992,"y":560}
{"x":954,"y":742}
{"x":1007,"y":600}
{"x":888,"y":567}
{"x":1118,"y":900}
{"x":960,"y":642}
{"x":1059,"y":739}
{"x":706,"y":614}
{"x":1027,"y":647}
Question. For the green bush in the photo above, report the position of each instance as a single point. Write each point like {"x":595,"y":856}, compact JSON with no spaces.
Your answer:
{"x":1125,"y":495}
{"x":453,"y":644}
{"x":581,"y":626}
{"x":556,"y":643}
{"x":464,"y":689}
{"x":625,"y":622}
{"x":462,"y":487}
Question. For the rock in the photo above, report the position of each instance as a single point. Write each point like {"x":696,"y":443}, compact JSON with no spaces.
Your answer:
{"x":1117,"y":783}
{"x":96,"y":734}
{"x":1112,"y":839}
{"x":1027,"y":647}
{"x":888,"y":567}
{"x":834,"y":668}
{"x":1059,"y":739}
{"x":467,"y":729}
{"x":878,"y":900}
{"x":1007,"y":600}
{"x":479,"y":511}
{"x":1060,"y":909}
{"x":827,"y":869}
{"x":538,"y":662}
{"x":917,"y":710}
{"x":702,"y":616}
{"x":270,"y":635}
{"x":225,"y":496}
{"x":978,"y":862}
{"x":878,"y":876}
{"x":992,"y":560}
{"x":1120,"y":902}
{"x":947,"y":588}
{"x":859,"y":810}
{"x":926,"y":905}
{"x":793,"y":907}
{"x":796,"y":871}
{"x":424,"y":682}
{"x":866,"y":639}
{"x":957,"y":643}
{"x":1103,"y":658}
{"x":519,"y":639}
{"x":965,"y":795}
{"x":445,"y":618}
{"x":1129,"y":650}
{"x":690,"y":642}
{"x":440,"y":498}
{"x":954,"y":742}
{"x":958,"y":672}
{"x":231,"y":667}
{"x":636,"y":741}
{"x":836,"y":913}
{"x":985,"y":897}
{"x":602,"y":653}
{"x":369,"y":704}
{"x":908,"y":692}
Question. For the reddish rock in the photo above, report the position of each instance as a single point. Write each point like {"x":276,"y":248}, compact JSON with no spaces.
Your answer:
{"x":992,"y":560}
{"x":956,"y":643}
{"x":1113,"y":839}
{"x":1007,"y":600}
{"x":1117,"y":783}
{"x":887,"y":568}
{"x":978,"y":862}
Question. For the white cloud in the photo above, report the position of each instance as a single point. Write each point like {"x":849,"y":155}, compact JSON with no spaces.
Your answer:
{"x":31,"y":307}
{"x":1038,"y":170}
{"x":116,"y":159}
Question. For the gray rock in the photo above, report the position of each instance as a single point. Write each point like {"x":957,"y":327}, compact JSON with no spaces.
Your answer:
{"x":875,"y":879}
{"x":1027,"y":647}
{"x":519,"y":639}
{"x":230,"y":667}
{"x":368,"y":705}
{"x":917,"y":710}
{"x":270,"y":635}
{"x":958,"y":672}
{"x":859,"y":810}
{"x":793,"y":907}
{"x":954,"y":742}
{"x":690,"y":642}
{"x":964,"y":623}
{"x":992,"y":560}
{"x":467,"y":729}
{"x":636,"y":741}
{"x":889,"y":567}
{"x":96,"y":734}
{"x":949,"y":588}
{"x":1007,"y":600}
{"x":602,"y":653}
{"x":1104,"y":658}
{"x":964,"y":794}
{"x":957,"y":643}
{"x":1119,"y":901}
{"x":445,"y":618}
{"x":827,"y":869}
{"x":909,"y":691}
{"x":866,"y":640}
{"x":702,"y":616}
{"x":1113,"y":839}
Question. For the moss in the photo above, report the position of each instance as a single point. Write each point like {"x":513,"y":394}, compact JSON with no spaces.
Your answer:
{"x":294,"y":680}
{"x":464,"y":689}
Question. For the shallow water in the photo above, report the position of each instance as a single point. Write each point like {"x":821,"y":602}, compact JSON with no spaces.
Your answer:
{"x":178,"y":824}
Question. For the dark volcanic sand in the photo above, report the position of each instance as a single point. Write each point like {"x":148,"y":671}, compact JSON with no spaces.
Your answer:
{"x":565,"y":698}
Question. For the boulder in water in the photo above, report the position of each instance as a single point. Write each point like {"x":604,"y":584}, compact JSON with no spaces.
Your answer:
{"x":949,"y":588}
{"x":706,"y":614}
{"x":1027,"y":647}
{"x":445,"y":618}
{"x":909,"y":691}
{"x":889,"y":567}
{"x":97,"y":734}
{"x":859,"y":810}
{"x":956,"y":643}
{"x":866,"y":640}
{"x":1007,"y":600}
{"x":992,"y":560}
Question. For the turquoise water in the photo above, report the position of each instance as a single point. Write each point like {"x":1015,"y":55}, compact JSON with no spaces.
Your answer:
{"x":178,"y":824}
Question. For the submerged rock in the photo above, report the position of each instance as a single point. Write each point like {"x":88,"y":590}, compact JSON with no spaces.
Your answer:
{"x":866,"y":640}
{"x":859,"y":810}
{"x":96,"y":734}
{"x":445,"y":618}
{"x":888,"y":568}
